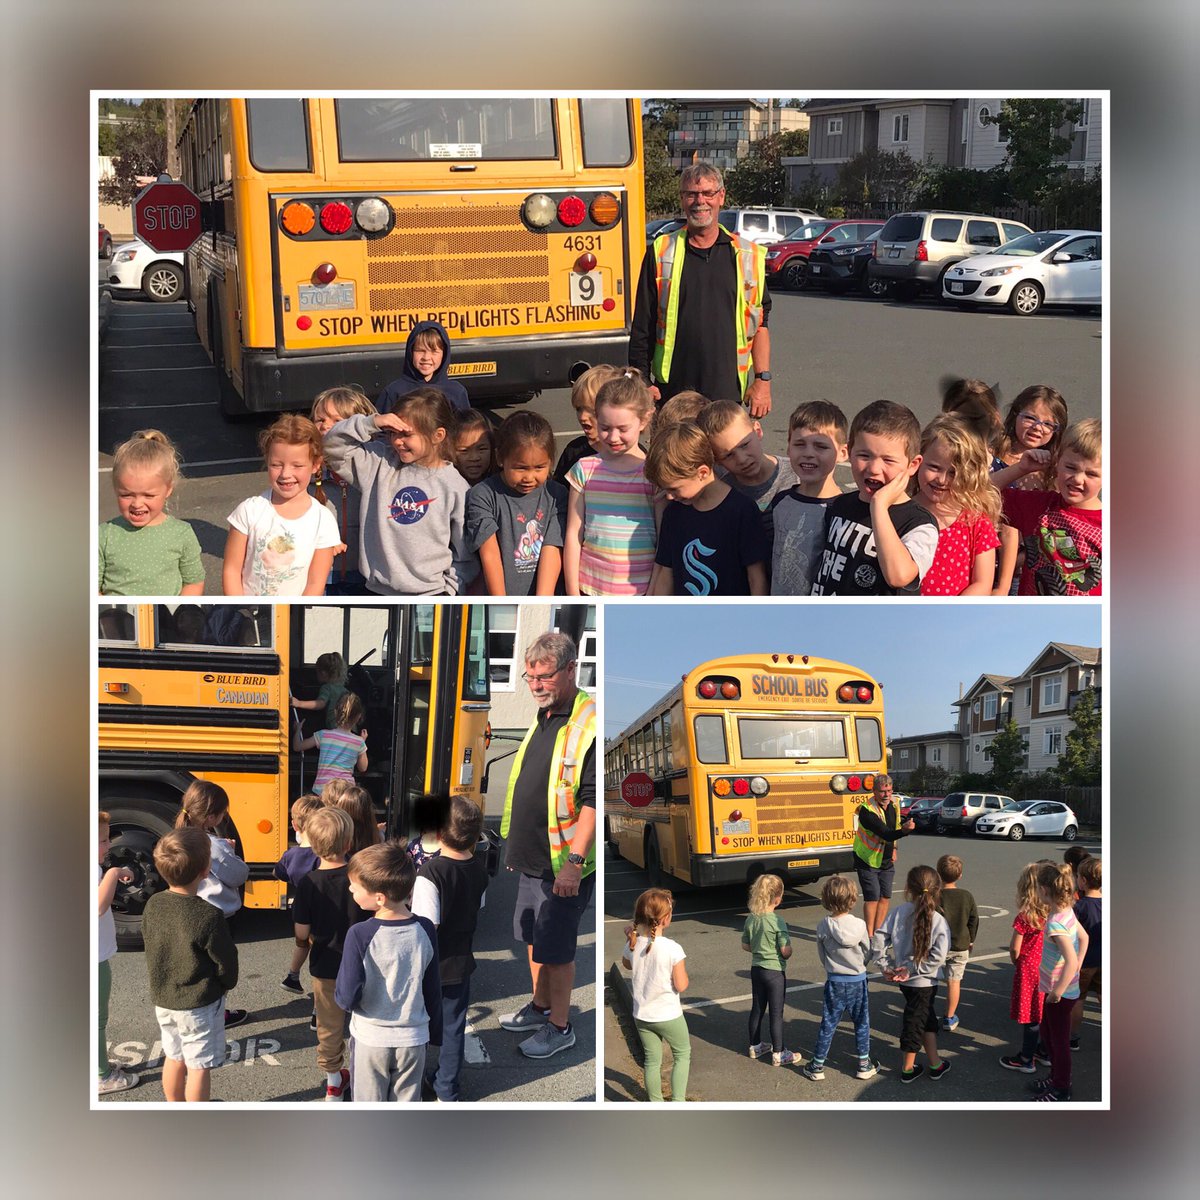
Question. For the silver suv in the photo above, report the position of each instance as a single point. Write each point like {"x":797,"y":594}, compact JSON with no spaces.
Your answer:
{"x":766,"y":225}
{"x":915,"y":249}
{"x":960,"y":810}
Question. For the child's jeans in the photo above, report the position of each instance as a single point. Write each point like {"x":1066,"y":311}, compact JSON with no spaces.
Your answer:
{"x":849,"y":997}
{"x":1056,"y":1034}
{"x":767,"y":989}
{"x":675,"y":1034}
{"x":455,"y":998}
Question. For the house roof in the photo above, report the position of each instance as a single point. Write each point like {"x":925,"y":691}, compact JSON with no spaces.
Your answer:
{"x":1086,"y":656}
{"x":943,"y":736}
{"x":999,"y":683}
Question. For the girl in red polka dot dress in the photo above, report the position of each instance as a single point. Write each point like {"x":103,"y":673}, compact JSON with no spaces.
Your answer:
{"x":1025,"y":950}
{"x":954,"y":485}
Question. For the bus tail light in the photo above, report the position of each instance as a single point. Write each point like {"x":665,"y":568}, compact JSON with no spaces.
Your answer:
{"x":707,"y":688}
{"x":854,"y":783}
{"x":868,"y":783}
{"x":584,"y":263}
{"x":297,"y":218}
{"x":864,"y":694}
{"x":736,"y":815}
{"x":856,"y":691}
{"x":571,"y":211}
{"x":373,"y":215}
{"x":712,"y":686}
{"x":759,"y":786}
{"x":336,"y":217}
{"x":741,"y":787}
{"x":605,"y":209}
{"x":722,"y":787}
{"x":538,"y":210}
{"x":839,"y":784}
{"x":845,"y":693}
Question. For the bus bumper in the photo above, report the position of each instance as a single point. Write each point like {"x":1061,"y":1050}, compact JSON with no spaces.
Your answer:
{"x":709,"y":872}
{"x":277,"y":383}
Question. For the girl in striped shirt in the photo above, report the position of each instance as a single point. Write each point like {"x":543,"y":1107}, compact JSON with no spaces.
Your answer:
{"x":610,"y":537}
{"x":342,"y":751}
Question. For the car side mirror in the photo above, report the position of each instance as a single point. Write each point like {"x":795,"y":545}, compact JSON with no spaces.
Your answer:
{"x":1061,"y":257}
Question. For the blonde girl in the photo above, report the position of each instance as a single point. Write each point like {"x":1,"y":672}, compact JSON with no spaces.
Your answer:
{"x":659,"y":979}
{"x":356,"y":801}
{"x":1025,"y":951}
{"x":954,"y":486}
{"x":1036,"y":421}
{"x":343,"y":749}
{"x":144,"y":551}
{"x":765,"y":936}
{"x":413,"y":499}
{"x":610,"y":538}
{"x":474,"y":446}
{"x":282,"y":541}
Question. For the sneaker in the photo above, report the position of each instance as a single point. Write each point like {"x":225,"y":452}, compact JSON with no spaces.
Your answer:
{"x":813,"y":1071}
{"x":869,"y":1071}
{"x":1041,"y":1085}
{"x":1074,"y":1043}
{"x":940,"y":1070}
{"x":1041,"y":1057}
{"x":760,"y":1050}
{"x":915,"y":1073}
{"x":292,"y":984}
{"x":784,"y":1058}
{"x":1014,"y":1062}
{"x":524,"y":1018}
{"x":312,"y":1022}
{"x":342,"y":1091}
{"x":950,"y":1024}
{"x":118,"y":1081}
{"x":547,"y":1041}
{"x":1051,"y":1094}
{"x":235,"y":1016}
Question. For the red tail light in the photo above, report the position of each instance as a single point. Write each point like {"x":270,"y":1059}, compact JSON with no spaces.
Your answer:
{"x":336,"y":217}
{"x":964,"y":811}
{"x":922,"y":254}
{"x":571,"y":211}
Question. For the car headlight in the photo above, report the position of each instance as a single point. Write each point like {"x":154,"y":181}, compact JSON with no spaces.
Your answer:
{"x":125,"y":255}
{"x":845,"y":253}
{"x":999,"y":271}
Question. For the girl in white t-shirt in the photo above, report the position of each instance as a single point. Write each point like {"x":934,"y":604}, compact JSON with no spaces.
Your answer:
{"x":659,"y":979}
{"x":282,"y":542}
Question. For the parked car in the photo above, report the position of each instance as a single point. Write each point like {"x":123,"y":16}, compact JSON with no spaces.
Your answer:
{"x":105,"y":241}
{"x":766,"y":225}
{"x":840,"y":268}
{"x":787,"y":261}
{"x":1030,"y":818}
{"x":1061,"y":266}
{"x":924,"y":811}
{"x":135,"y":267}
{"x":662,"y":225}
{"x":960,"y":810}
{"x":915,"y":249}
{"x":905,"y":802}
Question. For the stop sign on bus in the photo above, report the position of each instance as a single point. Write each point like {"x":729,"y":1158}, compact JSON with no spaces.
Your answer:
{"x":637,"y":789}
{"x":166,"y":216}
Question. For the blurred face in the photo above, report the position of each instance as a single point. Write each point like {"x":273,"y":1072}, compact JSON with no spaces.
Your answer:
{"x":1078,"y":479}
{"x":526,"y":469}
{"x":936,"y":474}
{"x":587,"y":422}
{"x":1035,"y":426}
{"x":686,"y":490}
{"x":619,"y":428}
{"x":552,"y":687}
{"x":290,"y":469}
{"x":427,"y":356}
{"x":738,"y":448}
{"x":410,"y":445}
{"x":883,"y":790}
{"x":474,"y":453}
{"x":877,"y":458}
{"x":142,"y":496}
{"x":701,"y":201}
{"x":814,"y":454}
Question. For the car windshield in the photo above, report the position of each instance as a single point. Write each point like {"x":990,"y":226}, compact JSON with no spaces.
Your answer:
{"x":806,"y":232}
{"x":1031,"y":244}
{"x":1018,"y":806}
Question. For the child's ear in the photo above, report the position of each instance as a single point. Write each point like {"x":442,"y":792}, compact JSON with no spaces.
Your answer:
{"x":439,"y":435}
{"x":913,"y":467}
{"x":757,"y":427}
{"x":843,"y":454}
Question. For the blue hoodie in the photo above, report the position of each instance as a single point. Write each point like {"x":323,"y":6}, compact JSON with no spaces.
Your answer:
{"x":412,"y":379}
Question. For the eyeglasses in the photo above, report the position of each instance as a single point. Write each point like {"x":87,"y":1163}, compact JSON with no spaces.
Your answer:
{"x":532,"y":679}
{"x":708,"y":195}
{"x":1030,"y":419}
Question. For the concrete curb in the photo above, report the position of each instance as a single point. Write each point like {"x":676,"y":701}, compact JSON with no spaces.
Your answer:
{"x":621,"y":1001}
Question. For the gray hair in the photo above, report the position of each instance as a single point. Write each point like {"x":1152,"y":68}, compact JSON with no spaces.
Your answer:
{"x":551,"y":647}
{"x":695,"y":172}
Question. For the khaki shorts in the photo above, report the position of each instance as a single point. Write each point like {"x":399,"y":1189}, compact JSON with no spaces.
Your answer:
{"x":194,"y":1036}
{"x":956,"y":963}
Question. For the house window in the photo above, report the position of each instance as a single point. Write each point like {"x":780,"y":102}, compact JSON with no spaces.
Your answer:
{"x":502,"y":647}
{"x":935,"y":755}
{"x":989,"y":706}
{"x":1024,"y":730}
{"x":900,"y":127}
{"x":904,"y":755}
{"x":1052,"y":691}
{"x":1082,"y":123}
{"x":834,"y":126}
{"x":585,"y":673}
{"x":984,"y":113}
{"x":1052,"y":741}
{"x":1028,"y":695}
{"x":733,"y":114}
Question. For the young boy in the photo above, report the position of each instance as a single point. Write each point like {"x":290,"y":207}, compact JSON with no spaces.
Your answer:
{"x":583,"y":401}
{"x":1062,"y":531}
{"x":296,"y":862}
{"x":683,"y":406}
{"x":711,"y":541}
{"x":192,"y":963}
{"x":323,"y":912}
{"x":388,"y":981}
{"x":448,"y":891}
{"x":426,"y":362}
{"x":1089,"y":876}
{"x":112,"y":1079}
{"x":958,"y":907}
{"x":816,"y":444}
{"x":878,"y":542}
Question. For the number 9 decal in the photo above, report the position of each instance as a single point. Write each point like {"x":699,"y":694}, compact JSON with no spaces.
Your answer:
{"x":587,"y":289}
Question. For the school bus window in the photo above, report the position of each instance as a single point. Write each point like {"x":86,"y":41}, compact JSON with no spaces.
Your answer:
{"x":215,"y":626}
{"x":790,"y":738}
{"x":179,"y":625}
{"x":367,"y":636}
{"x":710,"y":739}
{"x":279,"y":134}
{"x":866,"y":730}
{"x":475,"y":673}
{"x":118,"y":623}
{"x":422,"y":635}
{"x":667,"y":751}
{"x":607,"y":141}
{"x":658,"y":745}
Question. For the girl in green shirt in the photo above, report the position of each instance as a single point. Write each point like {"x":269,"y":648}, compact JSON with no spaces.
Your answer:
{"x":765,"y":937}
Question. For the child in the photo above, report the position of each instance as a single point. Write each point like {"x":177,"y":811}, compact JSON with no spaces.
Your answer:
{"x":341,"y":751}
{"x":388,"y":981}
{"x":765,"y":936}
{"x":1089,"y":913}
{"x":912,"y":944}
{"x":659,"y":979}
{"x":192,"y":963}
{"x":426,"y":363}
{"x":414,"y":500}
{"x":711,"y":542}
{"x":959,"y":908}
{"x":330,"y":407}
{"x":583,"y":401}
{"x":357,"y":802}
{"x":515,"y":517}
{"x":323,"y":912}
{"x":1025,"y":951}
{"x":683,"y":406}
{"x":1035,"y":421}
{"x":1073,"y":856}
{"x":1063,"y":947}
{"x":473,"y":452}
{"x":974,"y":403}
{"x":448,"y":892}
{"x":429,"y":815}
{"x":112,"y":1079}
{"x":816,"y":444}
{"x":843,"y":946}
{"x":331,"y":674}
{"x":296,"y":862}
{"x":1062,"y":531}
{"x":281,"y":543}
{"x":954,"y":487}
{"x":878,"y":542}
{"x":144,"y":551}
{"x":205,"y":806}
{"x":608,"y":549}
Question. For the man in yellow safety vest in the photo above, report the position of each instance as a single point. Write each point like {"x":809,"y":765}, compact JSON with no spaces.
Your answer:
{"x":877,"y":828}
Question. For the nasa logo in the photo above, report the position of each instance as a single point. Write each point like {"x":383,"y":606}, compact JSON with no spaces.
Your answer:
{"x":409,"y":505}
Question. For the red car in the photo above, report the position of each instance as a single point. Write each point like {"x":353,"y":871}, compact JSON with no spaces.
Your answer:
{"x":105,"y":241}
{"x":787,"y":261}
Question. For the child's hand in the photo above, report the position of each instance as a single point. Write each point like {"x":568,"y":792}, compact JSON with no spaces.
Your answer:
{"x":340,"y":548}
{"x":892,"y":492}
{"x":124,"y":875}
{"x":230,"y":843}
{"x":1033,"y":460}
{"x":628,"y":930}
{"x":387,"y":421}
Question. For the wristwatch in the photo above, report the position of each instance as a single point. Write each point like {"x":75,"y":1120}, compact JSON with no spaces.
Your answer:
{"x":763,"y":375}
{"x":576,"y":860}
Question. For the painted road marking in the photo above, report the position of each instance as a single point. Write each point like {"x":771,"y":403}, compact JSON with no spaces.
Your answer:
{"x":999,"y":912}
{"x":258,"y":1049}
{"x":474,"y":1051}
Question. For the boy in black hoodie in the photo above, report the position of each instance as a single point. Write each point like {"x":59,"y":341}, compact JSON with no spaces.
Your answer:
{"x":426,"y":364}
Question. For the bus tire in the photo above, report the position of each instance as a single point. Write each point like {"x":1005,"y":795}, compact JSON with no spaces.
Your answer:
{"x":654,"y":871}
{"x":136,"y":826}
{"x":233,"y":407}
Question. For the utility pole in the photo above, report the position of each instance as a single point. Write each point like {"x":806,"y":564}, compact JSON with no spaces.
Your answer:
{"x":172,"y":153}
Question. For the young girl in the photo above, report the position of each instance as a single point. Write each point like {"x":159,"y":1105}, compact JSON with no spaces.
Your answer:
{"x":341,"y":750}
{"x":282,"y":542}
{"x":357,"y":802}
{"x":609,"y":545}
{"x":953,"y":485}
{"x":330,"y":407}
{"x":473,"y":446}
{"x":1025,"y":950}
{"x":1063,"y":946}
{"x":659,"y":978}
{"x":765,"y":936}
{"x":912,"y":944}
{"x":515,"y":517}
{"x":145,"y":552}
{"x":413,"y":499}
{"x":205,"y":806}
{"x":1036,"y":420}
{"x":429,"y":816}
{"x":331,"y":675}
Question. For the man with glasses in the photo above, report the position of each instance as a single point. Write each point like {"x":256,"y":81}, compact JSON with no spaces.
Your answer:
{"x":549,"y":825}
{"x":700,"y":314}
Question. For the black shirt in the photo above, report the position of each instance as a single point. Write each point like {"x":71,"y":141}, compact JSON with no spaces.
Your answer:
{"x":849,"y":563}
{"x":709,"y":550}
{"x":323,"y":903}
{"x":461,"y":883}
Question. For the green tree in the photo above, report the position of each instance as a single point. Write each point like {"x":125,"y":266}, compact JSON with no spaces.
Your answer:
{"x":877,"y":177}
{"x":760,"y":178}
{"x":139,"y":147}
{"x":1079,"y":763}
{"x":660,"y":180}
{"x":1038,"y":135}
{"x":1008,"y":755}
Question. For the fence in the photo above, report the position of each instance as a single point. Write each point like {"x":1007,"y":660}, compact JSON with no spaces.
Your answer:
{"x":1085,"y":801}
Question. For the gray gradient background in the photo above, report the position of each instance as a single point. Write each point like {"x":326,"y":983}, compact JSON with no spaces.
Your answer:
{"x":55,"y":53}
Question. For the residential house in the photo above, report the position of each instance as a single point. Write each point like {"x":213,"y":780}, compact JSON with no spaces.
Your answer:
{"x":982,"y":712}
{"x":1044,"y":695}
{"x":722,"y":130}
{"x":909,"y":754}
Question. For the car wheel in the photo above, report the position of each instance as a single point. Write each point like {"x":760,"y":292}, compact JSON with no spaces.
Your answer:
{"x":795,"y":275}
{"x":1070,"y":833}
{"x":136,"y":825}
{"x":1016,"y":833}
{"x":878,"y":288}
{"x":163,"y":282}
{"x":1025,"y":299}
{"x":942,"y":827}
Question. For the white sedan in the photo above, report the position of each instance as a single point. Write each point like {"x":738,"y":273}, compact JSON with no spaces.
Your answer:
{"x":158,"y":274}
{"x":1061,"y":266}
{"x":1032,"y":818}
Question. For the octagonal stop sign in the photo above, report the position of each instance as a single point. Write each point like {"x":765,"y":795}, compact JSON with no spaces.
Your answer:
{"x":166,"y":216}
{"x":637,"y":789}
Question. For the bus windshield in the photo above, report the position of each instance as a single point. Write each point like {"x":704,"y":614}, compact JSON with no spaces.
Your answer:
{"x":790,"y":737}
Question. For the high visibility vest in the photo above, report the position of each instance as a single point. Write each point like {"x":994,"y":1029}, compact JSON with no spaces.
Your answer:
{"x":571,"y":745}
{"x":869,"y":847}
{"x":669,"y":256}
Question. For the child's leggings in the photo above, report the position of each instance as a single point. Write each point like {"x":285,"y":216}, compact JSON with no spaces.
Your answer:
{"x":675,"y":1034}
{"x":766,"y":989}
{"x":850,"y":997}
{"x":102,"y":1064}
{"x":1056,"y":1033}
{"x":1031,"y":1035}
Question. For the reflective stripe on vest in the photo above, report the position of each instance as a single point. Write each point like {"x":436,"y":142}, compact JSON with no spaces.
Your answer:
{"x":869,"y":846}
{"x":751,"y":263}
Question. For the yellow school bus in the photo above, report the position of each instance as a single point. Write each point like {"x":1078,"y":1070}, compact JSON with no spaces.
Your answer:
{"x":189,"y":691}
{"x":757,"y":763}
{"x":332,"y":226}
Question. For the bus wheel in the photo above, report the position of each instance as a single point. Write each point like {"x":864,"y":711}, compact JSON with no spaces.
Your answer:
{"x":654,"y":871}
{"x":136,"y":827}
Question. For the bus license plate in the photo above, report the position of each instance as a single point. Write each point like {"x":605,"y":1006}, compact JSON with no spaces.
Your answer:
{"x":586,"y":289}
{"x":728,"y":827}
{"x":333,"y":295}
{"x":803,"y":862}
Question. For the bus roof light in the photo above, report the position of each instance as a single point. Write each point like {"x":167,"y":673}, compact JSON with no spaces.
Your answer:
{"x":538,"y":210}
{"x":571,"y":211}
{"x":730,"y":690}
{"x":605,"y":209}
{"x":336,"y":217}
{"x":707,"y":688}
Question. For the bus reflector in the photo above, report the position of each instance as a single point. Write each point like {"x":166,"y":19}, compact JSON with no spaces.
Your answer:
{"x":571,"y":211}
{"x":730,"y":690}
{"x":605,"y":209}
{"x":539,"y":210}
{"x":265,"y":826}
{"x":297,"y":218}
{"x":336,"y":217}
{"x":304,"y":322}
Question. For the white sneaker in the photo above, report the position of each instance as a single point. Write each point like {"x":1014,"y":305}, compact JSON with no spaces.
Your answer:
{"x":118,"y":1081}
{"x":761,"y":1050}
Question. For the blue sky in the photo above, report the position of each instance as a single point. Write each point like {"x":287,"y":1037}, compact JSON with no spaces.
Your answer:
{"x":919,"y":652}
